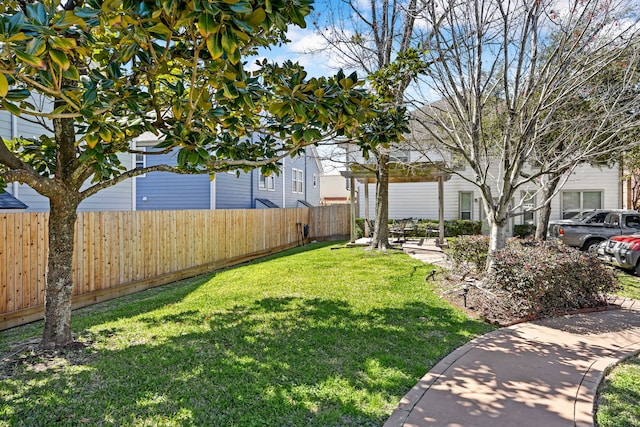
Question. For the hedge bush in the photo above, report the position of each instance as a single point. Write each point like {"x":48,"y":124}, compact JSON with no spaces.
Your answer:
{"x":524,"y":230}
{"x":453,"y":228}
{"x":469,"y":250}
{"x":541,"y":278}
{"x":462,"y":227}
{"x":531,"y":279}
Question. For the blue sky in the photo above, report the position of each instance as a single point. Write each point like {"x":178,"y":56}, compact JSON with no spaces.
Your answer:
{"x":316,"y":65}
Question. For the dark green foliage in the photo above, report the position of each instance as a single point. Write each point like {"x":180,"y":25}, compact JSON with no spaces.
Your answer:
{"x":524,"y":230}
{"x":452,"y":228}
{"x":462,"y":227}
{"x":469,"y":250}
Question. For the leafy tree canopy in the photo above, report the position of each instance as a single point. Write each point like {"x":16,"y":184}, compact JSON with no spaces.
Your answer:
{"x":119,"y":68}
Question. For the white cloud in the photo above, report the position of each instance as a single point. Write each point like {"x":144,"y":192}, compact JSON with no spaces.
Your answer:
{"x":304,"y":40}
{"x":307,"y":48}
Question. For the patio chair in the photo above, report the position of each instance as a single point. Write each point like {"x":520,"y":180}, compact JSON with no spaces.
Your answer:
{"x":397,"y":230}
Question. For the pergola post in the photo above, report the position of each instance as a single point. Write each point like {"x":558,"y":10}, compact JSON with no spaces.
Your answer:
{"x":441,"y":210}
{"x":352,"y":190}
{"x":367,"y":231}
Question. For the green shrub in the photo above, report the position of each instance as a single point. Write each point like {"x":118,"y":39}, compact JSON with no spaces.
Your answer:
{"x":461,"y":227}
{"x":469,"y":250}
{"x":541,"y":278}
{"x":524,"y":230}
{"x":452,"y":228}
{"x":359,"y":228}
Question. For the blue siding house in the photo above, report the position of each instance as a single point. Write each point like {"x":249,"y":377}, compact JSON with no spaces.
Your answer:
{"x":297,"y":185}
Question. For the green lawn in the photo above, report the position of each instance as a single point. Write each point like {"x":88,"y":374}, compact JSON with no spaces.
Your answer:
{"x":630,"y":285}
{"x":619,"y":393}
{"x":618,"y":400}
{"x":313,"y":337}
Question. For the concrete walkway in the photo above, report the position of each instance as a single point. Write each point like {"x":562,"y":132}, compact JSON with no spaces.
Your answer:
{"x":543,"y":373}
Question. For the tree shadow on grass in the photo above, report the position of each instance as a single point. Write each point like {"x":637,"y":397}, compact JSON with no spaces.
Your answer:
{"x":277,"y":361}
{"x":153,"y":298}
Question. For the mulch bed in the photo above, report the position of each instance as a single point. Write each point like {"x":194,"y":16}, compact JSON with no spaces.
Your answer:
{"x":476,"y":305}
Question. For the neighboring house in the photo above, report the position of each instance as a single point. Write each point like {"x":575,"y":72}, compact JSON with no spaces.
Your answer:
{"x":297,"y":185}
{"x":334,"y":189}
{"x":116,"y":198}
{"x":587,"y":187}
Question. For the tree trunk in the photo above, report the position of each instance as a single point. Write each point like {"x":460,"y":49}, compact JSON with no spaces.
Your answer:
{"x":497,"y":221}
{"x":497,"y":236}
{"x":57,"y":325}
{"x":497,"y":239}
{"x":64,"y":201}
{"x":548,"y":189}
{"x":380,"y":238}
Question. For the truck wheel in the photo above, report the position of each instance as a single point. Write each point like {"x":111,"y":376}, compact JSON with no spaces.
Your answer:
{"x":637,"y":269}
{"x":591,"y":246}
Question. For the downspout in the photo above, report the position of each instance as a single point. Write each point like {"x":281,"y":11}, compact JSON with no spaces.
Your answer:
{"x":134,"y":180}
{"x":306,"y":176}
{"x":252,"y":200}
{"x":14,"y":135}
{"x":352,"y":196}
{"x":621,"y":186}
{"x":284,"y":182}
{"x":212,"y":194}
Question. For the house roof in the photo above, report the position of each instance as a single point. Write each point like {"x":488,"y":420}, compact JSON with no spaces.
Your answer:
{"x":305,"y":203}
{"x":7,"y":201}
{"x":268,"y":203}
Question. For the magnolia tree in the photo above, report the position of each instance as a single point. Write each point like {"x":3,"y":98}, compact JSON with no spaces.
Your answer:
{"x":98,"y":73}
{"x":502,"y":78}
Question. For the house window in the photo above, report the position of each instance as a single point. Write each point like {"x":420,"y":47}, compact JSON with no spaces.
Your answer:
{"x":465,"y":205}
{"x":140,"y":160}
{"x":296,"y":181}
{"x":581,"y":200}
{"x":267,"y":183}
{"x":528,"y":203}
{"x":315,"y":180}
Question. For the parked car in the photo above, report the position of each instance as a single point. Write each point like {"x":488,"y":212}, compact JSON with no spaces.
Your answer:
{"x":589,"y":236}
{"x":621,"y":251}
{"x":589,"y":216}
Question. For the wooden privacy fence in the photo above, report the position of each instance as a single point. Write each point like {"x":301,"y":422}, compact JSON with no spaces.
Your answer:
{"x":117,"y":253}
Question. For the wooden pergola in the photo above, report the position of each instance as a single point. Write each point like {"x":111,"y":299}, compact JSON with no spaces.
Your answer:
{"x":398,"y":173}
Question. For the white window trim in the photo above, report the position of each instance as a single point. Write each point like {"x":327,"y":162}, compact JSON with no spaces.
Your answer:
{"x":143,"y":162}
{"x":269,"y":183}
{"x":528,"y":196}
{"x":563,"y":208}
{"x":470,"y":193}
{"x":297,"y":180}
